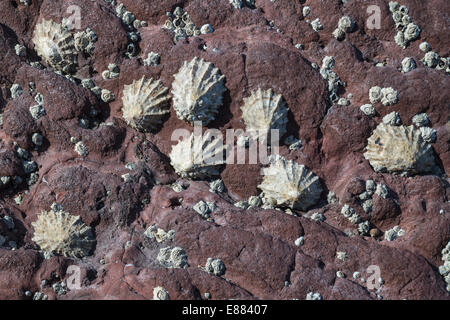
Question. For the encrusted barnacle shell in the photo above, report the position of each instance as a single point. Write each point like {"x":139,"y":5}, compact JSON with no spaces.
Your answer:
{"x":390,"y":96}
{"x":375,"y":94}
{"x":198,"y":91}
{"x":346,"y":24}
{"x":198,"y":157}
{"x":290,"y":184}
{"x":408,"y":64}
{"x":145,"y":102}
{"x":55,"y":46}
{"x":262,"y":111}
{"x":58,"y":232}
{"x":399,"y":149}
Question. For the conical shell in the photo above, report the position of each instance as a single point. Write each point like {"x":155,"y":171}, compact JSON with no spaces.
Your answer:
{"x":58,"y":232}
{"x":145,"y":102}
{"x":198,"y":91}
{"x":289,"y":184}
{"x":55,"y":46}
{"x":262,"y":111}
{"x":399,"y":149}
{"x":198,"y":157}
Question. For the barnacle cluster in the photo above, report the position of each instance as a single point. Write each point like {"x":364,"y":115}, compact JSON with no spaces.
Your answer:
{"x":145,"y":103}
{"x":387,"y":96}
{"x":264,"y":111}
{"x":215,"y":266}
{"x":55,"y":45}
{"x":172,"y":257}
{"x":394,"y":233}
{"x":289,"y":184}
{"x":399,"y":149}
{"x":407,"y":31}
{"x":198,"y":157}
{"x":112,"y":72}
{"x":131,"y":24}
{"x":345,"y":25}
{"x":197,"y":91}
{"x":159,"y":234}
{"x":433,"y":60}
{"x":85,"y":40}
{"x":59,"y":232}
{"x":334,"y":82}
{"x":181,"y":25}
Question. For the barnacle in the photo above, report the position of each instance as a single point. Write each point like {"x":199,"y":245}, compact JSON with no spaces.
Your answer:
{"x":197,"y":91}
{"x":375,"y":94}
{"x":408,"y":64}
{"x":262,"y":111}
{"x":58,"y":232}
{"x":346,"y":24}
{"x":198,"y":157}
{"x":55,"y":45}
{"x":145,"y":103}
{"x":399,"y":149}
{"x":368,"y":110}
{"x":389,"y":96}
{"x":392,"y":119}
{"x":290,"y":184}
{"x":84,"y":41}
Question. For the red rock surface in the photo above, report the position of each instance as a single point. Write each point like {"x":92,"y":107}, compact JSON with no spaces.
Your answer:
{"x":256,"y":245}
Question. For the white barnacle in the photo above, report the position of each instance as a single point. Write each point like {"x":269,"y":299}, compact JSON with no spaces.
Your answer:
{"x":264,"y":111}
{"x":389,"y":96}
{"x":431,"y":59}
{"x":198,"y":91}
{"x":411,"y":32}
{"x":81,"y":149}
{"x":346,"y":24}
{"x":37,"y":111}
{"x":21,"y":50}
{"x":421,"y":120}
{"x":198,"y":157}
{"x":289,"y":184}
{"x":58,"y":232}
{"x":16,"y":90}
{"x":159,"y":293}
{"x":425,"y":47}
{"x":375,"y":94}
{"x":368,"y":110}
{"x":313,"y":296}
{"x":408,"y":64}
{"x":339,"y":34}
{"x":55,"y":46}
{"x":392,"y":119}
{"x":145,"y":103}
{"x":206,"y":28}
{"x":152,"y":60}
{"x":306,"y":11}
{"x":399,"y":149}
{"x":316,"y":25}
{"x":106,"y":95}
